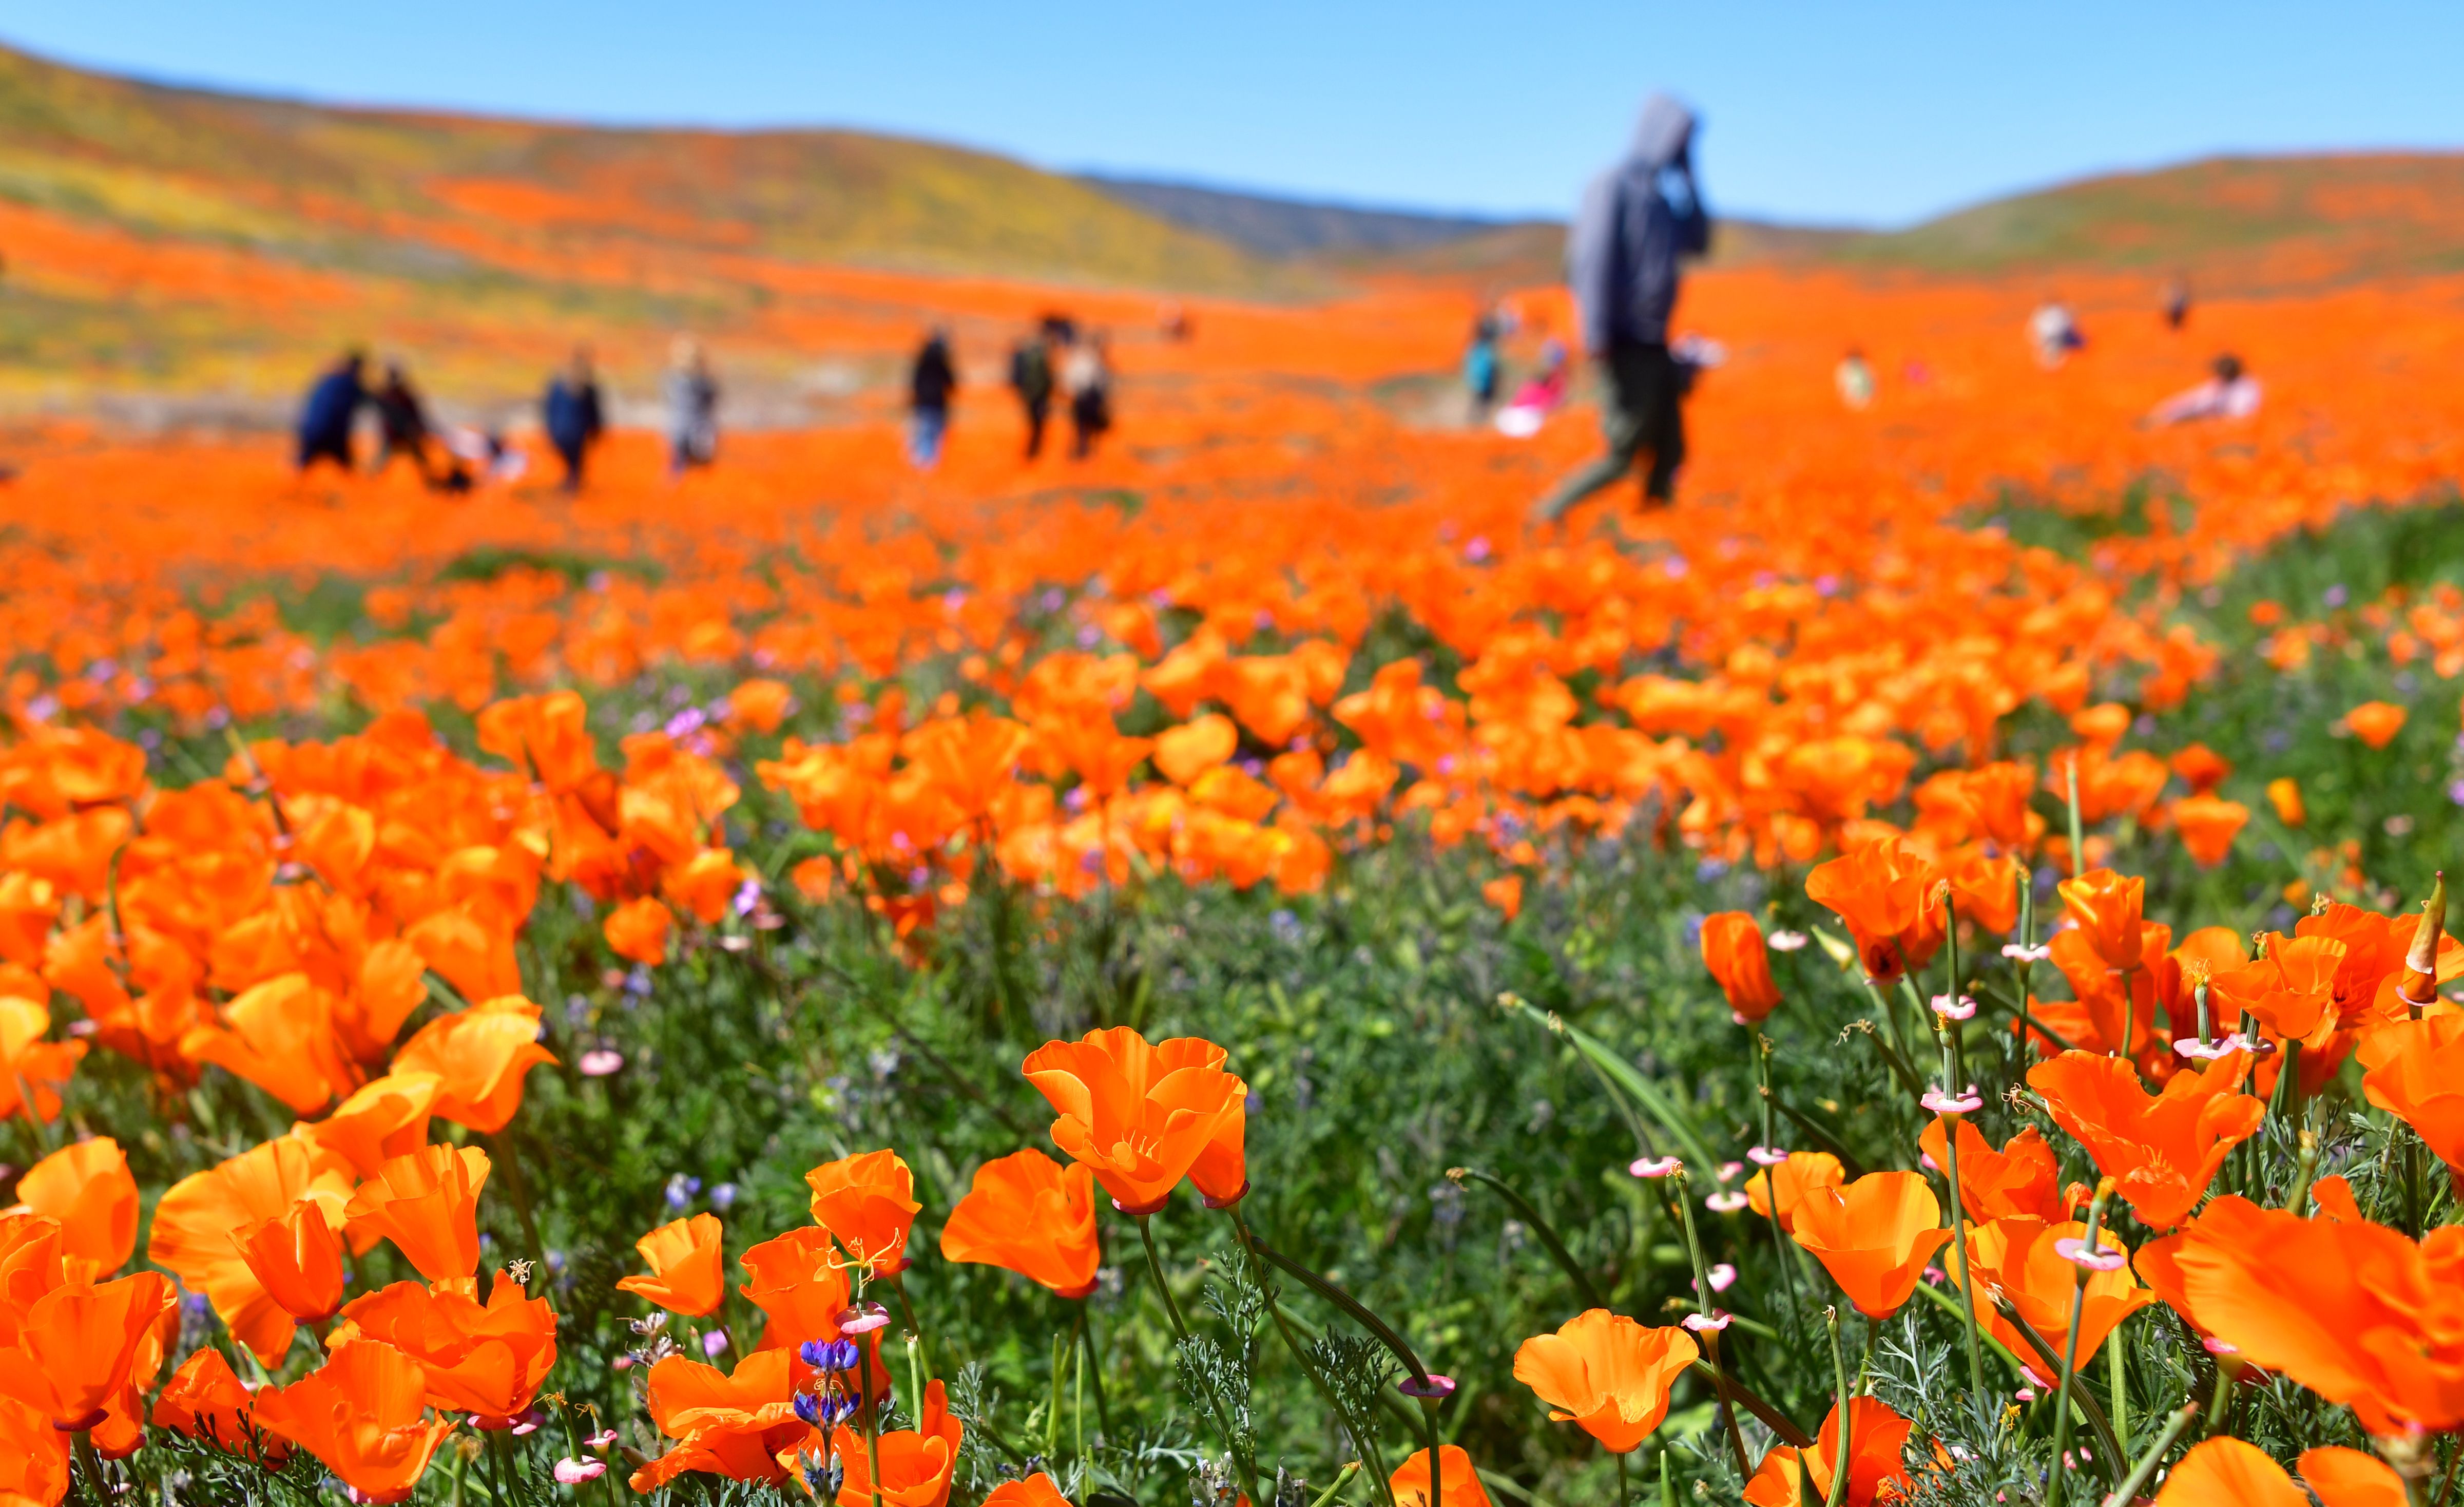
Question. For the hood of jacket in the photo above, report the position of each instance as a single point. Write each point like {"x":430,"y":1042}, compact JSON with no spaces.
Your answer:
{"x":1662,"y":135}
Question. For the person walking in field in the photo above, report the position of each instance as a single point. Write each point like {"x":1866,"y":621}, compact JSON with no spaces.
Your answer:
{"x":1086,"y":375}
{"x":692,"y":407}
{"x":1031,"y":377}
{"x":572,"y":415}
{"x":1637,"y":221}
{"x":929,"y":385}
{"x":1482,"y":372}
{"x":326,"y":416}
{"x":402,"y":423}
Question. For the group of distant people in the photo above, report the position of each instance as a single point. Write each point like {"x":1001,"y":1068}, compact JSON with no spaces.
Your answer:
{"x":1055,"y":358}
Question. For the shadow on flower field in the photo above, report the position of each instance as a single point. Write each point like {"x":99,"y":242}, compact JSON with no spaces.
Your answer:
{"x":1813,"y":925}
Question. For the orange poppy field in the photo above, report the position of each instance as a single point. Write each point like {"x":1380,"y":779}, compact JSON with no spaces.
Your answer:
{"x":1917,"y":973}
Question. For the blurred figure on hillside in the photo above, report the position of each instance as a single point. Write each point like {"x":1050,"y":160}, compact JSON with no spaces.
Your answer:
{"x":402,"y":423}
{"x":1031,"y":377}
{"x":1482,"y":371}
{"x":572,"y":415}
{"x":692,"y":407}
{"x":929,"y":385}
{"x":1539,"y":395}
{"x":1087,"y":376}
{"x":2053,"y":334}
{"x":1621,"y":260}
{"x":2230,"y":392}
{"x":326,"y":416}
{"x":1854,"y":380}
{"x":2177,"y":301}
{"x":1172,"y":322}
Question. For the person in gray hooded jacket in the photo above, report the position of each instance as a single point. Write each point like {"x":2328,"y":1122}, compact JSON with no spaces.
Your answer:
{"x":1621,"y":262}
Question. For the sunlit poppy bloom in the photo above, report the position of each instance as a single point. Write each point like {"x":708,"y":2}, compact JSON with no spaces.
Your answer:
{"x":1877,"y":1438}
{"x":797,"y":1282}
{"x":760,"y":704}
{"x":2161,"y":1150}
{"x":637,"y":931}
{"x":191,"y":1235}
{"x":83,"y":1339}
{"x":384,"y":1118}
{"x":2226,"y":1472}
{"x":1880,"y":892}
{"x":427,"y":1203}
{"x":2415,"y":1072}
{"x":484,"y":1360}
{"x":2285,"y":795}
{"x":87,"y":1187}
{"x":1733,"y":950}
{"x":1607,"y":1374}
{"x":2022,"y":1178}
{"x":2209,"y":825}
{"x":2351,"y":1309}
{"x":1801,"y":1174}
{"x":1032,"y":1215}
{"x":868,"y":1202}
{"x":685,"y":1267}
{"x":736,"y":1425}
{"x":29,"y":1064}
{"x":479,"y":1056}
{"x":916,"y":1464}
{"x":34,"y":1455}
{"x":1874,"y":1236}
{"x":1457,"y":1481}
{"x":204,"y":1399}
{"x":298,"y":1260}
{"x":2106,"y":908}
{"x":2376,"y":722}
{"x":1142,"y":1117}
{"x":2016,"y":1256}
{"x":1033,"y":1490}
{"x":363,"y":1413}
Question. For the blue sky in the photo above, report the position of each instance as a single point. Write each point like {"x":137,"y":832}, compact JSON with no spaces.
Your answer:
{"x":1874,"y":113}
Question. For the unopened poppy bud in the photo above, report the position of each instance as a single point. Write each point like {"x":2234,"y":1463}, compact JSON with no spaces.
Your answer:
{"x":2419,"y":985}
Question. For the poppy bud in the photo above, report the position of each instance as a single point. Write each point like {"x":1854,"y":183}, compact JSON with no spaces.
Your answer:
{"x":2419,"y":985}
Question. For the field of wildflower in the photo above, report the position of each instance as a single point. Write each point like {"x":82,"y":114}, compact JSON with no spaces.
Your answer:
{"x":1237,"y":970}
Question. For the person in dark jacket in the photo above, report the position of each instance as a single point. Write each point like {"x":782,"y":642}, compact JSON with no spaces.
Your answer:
{"x":572,"y":415}
{"x":402,"y":423}
{"x":1031,"y":377}
{"x":326,"y":416}
{"x":1621,"y":261}
{"x":1086,"y":375}
{"x":929,"y":387}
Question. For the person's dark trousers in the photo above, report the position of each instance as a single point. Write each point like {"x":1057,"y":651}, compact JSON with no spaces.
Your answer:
{"x":336,"y":450}
{"x":1639,"y":410}
{"x":571,"y":456}
{"x":1036,"y":414}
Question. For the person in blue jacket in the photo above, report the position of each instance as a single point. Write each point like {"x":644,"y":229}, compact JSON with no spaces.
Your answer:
{"x":572,"y":415}
{"x":325,"y":417}
{"x":1637,"y":221}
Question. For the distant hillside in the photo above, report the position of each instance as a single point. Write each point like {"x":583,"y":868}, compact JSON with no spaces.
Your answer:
{"x":1273,"y":226}
{"x":2252,"y":222}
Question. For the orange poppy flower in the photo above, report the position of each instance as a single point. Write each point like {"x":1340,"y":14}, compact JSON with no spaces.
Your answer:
{"x":869,"y":1203}
{"x":798,"y":1284}
{"x":427,"y":1203}
{"x":1505,"y":895}
{"x":2209,"y":825}
{"x":737,"y":1425}
{"x":479,"y":1056}
{"x":86,"y":1186}
{"x":191,"y":1236}
{"x":2351,"y":1309}
{"x":1034,"y":1491}
{"x":686,"y":1262}
{"x":2022,"y":1178}
{"x":33,"y":1456}
{"x":637,"y":931}
{"x":1458,"y":1484}
{"x":1878,"y":1439}
{"x":760,"y":704}
{"x":2106,"y":908}
{"x":1144,"y":1116}
{"x":1803,"y":1174}
{"x":83,"y":1339}
{"x":205,"y":1400}
{"x":1031,"y":1215}
{"x":486,"y":1361}
{"x":2161,"y":1150}
{"x":2015,"y":1255}
{"x":2285,"y":795}
{"x":2376,"y":722}
{"x":29,"y":1065}
{"x":1607,"y":1374}
{"x":915,"y":1463}
{"x":1874,"y":1236}
{"x":1880,"y":892}
{"x":1189,"y":750}
{"x":1733,"y":950}
{"x":2415,"y":1072}
{"x":362,"y":1413}
{"x":298,"y":1260}
{"x":2226,"y":1472}
{"x":384,"y":1118}
{"x":278,"y":1035}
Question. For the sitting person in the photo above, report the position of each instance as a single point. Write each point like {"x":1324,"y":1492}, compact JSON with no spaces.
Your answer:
{"x":2231,"y":393}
